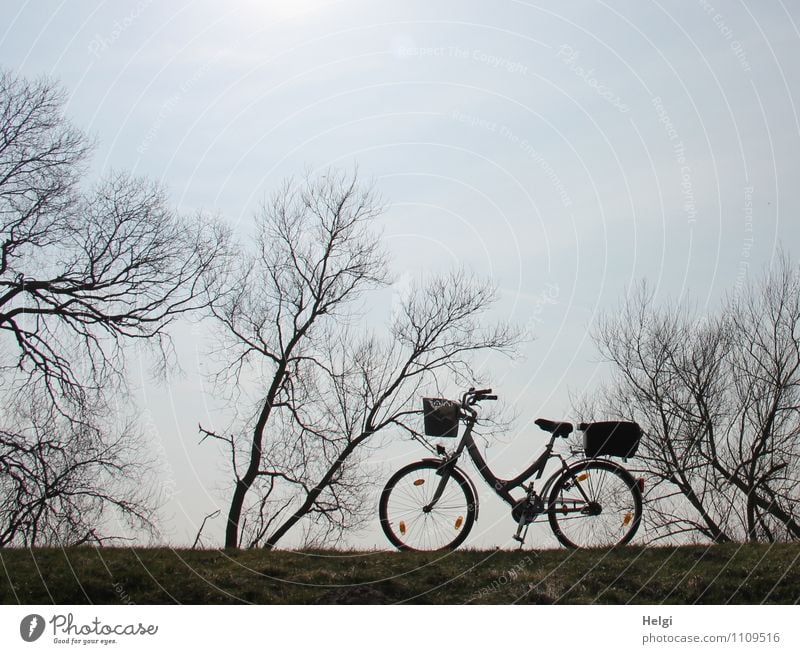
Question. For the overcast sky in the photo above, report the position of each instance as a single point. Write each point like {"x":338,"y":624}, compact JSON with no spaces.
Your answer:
{"x":567,"y":149}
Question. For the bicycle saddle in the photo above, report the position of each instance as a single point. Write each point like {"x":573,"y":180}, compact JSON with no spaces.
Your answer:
{"x":562,"y":429}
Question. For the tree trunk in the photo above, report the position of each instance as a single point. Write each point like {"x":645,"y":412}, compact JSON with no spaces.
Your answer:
{"x":752,"y":536}
{"x":246,"y":481}
{"x":235,"y":513}
{"x":315,"y":492}
{"x":714,"y":530}
{"x":770,"y":507}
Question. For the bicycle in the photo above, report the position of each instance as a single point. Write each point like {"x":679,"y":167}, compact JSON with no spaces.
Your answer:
{"x":432,"y":504}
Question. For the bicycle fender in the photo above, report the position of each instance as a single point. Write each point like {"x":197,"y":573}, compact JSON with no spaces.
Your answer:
{"x":469,"y":481}
{"x":619,"y":466}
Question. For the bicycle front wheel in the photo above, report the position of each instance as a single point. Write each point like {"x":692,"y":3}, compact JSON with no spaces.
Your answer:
{"x":595,"y":503}
{"x":407,"y":518}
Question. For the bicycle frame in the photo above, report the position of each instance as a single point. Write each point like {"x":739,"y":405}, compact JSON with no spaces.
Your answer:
{"x":501,"y":487}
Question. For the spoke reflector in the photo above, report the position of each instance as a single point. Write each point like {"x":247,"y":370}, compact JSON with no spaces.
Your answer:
{"x":583,"y":477}
{"x":419,"y":482}
{"x":627,"y":519}
{"x":459,"y":522}
{"x":402,"y":528}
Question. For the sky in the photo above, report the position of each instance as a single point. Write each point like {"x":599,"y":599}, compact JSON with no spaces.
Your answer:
{"x":566,"y":149}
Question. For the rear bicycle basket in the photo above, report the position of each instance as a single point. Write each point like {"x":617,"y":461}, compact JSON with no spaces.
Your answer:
{"x":441,"y":417}
{"x":613,"y":438}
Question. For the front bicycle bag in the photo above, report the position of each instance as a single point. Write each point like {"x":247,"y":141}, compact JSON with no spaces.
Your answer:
{"x":613,"y":438}
{"x":441,"y":417}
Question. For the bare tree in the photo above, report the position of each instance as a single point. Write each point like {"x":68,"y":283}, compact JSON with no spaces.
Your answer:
{"x":328,"y":386}
{"x":315,"y":253}
{"x":82,"y":272}
{"x":70,"y":481}
{"x":760,"y":456}
{"x":718,"y":400}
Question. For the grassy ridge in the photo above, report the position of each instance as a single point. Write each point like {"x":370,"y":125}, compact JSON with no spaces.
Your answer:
{"x":720,"y":574}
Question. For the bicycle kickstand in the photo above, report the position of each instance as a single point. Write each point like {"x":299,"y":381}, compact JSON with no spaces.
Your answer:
{"x":522,"y":532}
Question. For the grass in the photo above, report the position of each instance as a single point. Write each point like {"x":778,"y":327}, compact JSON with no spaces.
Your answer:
{"x":718,"y":574}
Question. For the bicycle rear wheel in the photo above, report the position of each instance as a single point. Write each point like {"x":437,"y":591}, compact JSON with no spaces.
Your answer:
{"x":595,"y":503}
{"x":406,"y":523}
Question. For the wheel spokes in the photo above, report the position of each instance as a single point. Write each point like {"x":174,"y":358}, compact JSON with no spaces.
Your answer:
{"x":436,"y":528}
{"x":598,"y":509}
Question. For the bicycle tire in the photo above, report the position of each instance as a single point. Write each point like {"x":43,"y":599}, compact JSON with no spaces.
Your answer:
{"x":401,"y":513}
{"x":612,"y":515}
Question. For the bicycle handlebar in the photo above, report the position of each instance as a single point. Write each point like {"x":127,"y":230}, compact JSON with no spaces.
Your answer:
{"x":472,"y":396}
